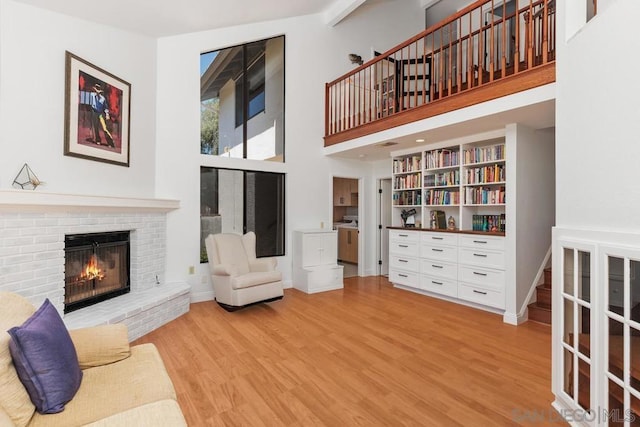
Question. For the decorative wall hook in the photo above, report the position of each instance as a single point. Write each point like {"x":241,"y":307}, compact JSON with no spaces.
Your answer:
{"x":26,"y":179}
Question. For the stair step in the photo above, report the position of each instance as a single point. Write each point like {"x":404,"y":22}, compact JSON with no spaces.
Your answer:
{"x":539,"y":314}
{"x":547,"y":277}
{"x":543,"y":296}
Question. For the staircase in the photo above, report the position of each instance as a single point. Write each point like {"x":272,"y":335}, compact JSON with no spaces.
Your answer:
{"x":540,"y":311}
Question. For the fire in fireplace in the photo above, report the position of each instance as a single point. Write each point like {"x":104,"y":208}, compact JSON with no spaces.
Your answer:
{"x":96,"y":268}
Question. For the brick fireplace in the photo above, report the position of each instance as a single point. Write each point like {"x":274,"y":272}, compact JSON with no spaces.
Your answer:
{"x":33,"y":226}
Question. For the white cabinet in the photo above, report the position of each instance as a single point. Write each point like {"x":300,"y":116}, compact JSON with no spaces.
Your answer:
{"x":467,"y":267}
{"x":315,"y":255}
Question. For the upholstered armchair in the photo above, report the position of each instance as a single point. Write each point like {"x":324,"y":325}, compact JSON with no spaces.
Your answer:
{"x":239,"y":278}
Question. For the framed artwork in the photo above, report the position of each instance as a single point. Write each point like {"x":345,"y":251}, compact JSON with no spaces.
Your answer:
{"x":97,"y":113}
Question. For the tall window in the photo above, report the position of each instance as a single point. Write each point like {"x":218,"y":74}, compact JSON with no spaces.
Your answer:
{"x":238,"y":201}
{"x":242,"y":101}
{"x":255,"y":94}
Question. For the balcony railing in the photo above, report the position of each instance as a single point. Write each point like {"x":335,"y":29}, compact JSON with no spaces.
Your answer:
{"x":485,"y":42}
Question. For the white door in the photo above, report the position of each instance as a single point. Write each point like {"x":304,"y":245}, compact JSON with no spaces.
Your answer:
{"x":384,"y":202}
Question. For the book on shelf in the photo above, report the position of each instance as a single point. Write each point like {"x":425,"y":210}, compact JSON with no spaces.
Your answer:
{"x":437,"y":220}
{"x":489,"y":222}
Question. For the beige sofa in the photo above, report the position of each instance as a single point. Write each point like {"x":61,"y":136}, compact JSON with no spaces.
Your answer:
{"x":121,"y":385}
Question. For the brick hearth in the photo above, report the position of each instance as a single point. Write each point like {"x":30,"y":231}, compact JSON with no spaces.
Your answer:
{"x":32,"y":231}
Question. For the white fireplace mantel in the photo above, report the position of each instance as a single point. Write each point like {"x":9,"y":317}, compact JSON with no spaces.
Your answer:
{"x":38,"y":201}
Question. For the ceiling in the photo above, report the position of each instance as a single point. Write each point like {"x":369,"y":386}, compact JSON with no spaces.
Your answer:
{"x":161,"y":18}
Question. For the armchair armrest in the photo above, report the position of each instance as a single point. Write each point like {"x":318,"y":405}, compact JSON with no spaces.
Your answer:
{"x":101,"y":345}
{"x":263,"y":264}
{"x":224,"y":270}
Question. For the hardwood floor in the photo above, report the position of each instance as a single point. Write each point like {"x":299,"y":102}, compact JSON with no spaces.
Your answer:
{"x":368,"y":355}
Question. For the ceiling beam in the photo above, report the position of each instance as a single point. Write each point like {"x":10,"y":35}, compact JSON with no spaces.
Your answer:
{"x":340,"y":10}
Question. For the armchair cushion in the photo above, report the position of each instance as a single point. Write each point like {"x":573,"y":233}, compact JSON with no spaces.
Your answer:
{"x":263,"y":264}
{"x":231,"y":252}
{"x":101,"y":345}
{"x":254,"y":279}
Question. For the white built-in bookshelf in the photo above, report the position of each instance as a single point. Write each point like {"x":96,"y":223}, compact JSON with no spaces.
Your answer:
{"x":465,"y":181}
{"x":499,"y":188}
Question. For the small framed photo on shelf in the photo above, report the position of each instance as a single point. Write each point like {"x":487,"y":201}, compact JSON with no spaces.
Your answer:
{"x":97,"y":108}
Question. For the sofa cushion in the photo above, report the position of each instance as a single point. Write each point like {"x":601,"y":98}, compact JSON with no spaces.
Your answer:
{"x":101,"y":345}
{"x":14,"y":399}
{"x":162,"y":413}
{"x":110,"y":389}
{"x":253,"y":279}
{"x":45,"y":359}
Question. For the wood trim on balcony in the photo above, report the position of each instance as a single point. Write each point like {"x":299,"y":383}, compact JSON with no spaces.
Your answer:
{"x":525,"y":80}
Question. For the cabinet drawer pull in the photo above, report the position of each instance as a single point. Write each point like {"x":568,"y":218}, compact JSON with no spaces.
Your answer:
{"x":403,"y":260}
{"x":436,"y":250}
{"x":479,"y":274}
{"x":436,"y":283}
{"x":479,"y":292}
{"x":403,"y":235}
{"x":436,"y":266}
{"x":480,"y":241}
{"x":403,"y":246}
{"x":402,"y":275}
{"x":480,"y":255}
{"x":437,"y":238}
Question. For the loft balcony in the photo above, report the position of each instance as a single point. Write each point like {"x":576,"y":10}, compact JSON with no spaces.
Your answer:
{"x":485,"y":51}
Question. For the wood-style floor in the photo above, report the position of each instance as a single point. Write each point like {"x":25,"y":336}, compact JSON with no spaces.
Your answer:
{"x":368,"y":355}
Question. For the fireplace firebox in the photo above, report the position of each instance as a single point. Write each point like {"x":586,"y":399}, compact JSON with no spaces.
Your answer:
{"x":97,"y":267}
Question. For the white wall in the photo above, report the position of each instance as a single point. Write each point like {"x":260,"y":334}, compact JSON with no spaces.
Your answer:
{"x":598,"y":123}
{"x":32,"y":81}
{"x":314,"y":54}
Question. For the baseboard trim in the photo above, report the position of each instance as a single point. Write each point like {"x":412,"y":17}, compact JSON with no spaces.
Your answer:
{"x":202,"y":296}
{"x":515,"y":319}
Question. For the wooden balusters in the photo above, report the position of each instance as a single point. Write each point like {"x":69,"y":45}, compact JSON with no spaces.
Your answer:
{"x":479,"y":45}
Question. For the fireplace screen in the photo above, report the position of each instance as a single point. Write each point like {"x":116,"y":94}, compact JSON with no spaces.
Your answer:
{"x":96,"y":268}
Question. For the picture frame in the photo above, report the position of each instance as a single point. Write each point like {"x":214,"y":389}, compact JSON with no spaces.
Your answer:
{"x":97,"y":113}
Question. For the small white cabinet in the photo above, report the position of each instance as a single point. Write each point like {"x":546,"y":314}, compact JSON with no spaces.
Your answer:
{"x":315,"y":266}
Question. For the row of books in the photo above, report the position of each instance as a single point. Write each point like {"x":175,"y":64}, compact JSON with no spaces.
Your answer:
{"x":444,"y":178}
{"x":407,"y":181}
{"x":489,"y":222}
{"x":441,"y":197}
{"x":442,"y":158}
{"x":484,"y":154}
{"x":493,"y":173}
{"x":484,"y":196}
{"x":409,"y":197}
{"x":407,"y":164}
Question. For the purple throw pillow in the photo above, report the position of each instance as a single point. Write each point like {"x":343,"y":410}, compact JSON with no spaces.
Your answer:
{"x":45,"y":359}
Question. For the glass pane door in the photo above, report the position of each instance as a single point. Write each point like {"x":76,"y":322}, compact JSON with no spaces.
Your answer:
{"x":576,"y":325}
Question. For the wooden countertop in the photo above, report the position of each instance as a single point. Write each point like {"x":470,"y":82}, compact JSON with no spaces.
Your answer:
{"x":484,"y":233}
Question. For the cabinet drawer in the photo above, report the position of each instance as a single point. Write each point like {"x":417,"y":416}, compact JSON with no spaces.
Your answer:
{"x":439,"y":269}
{"x":482,"y":258}
{"x":489,"y":297}
{"x":403,"y":278}
{"x":403,"y":263}
{"x":493,"y":279}
{"x":439,"y":285}
{"x":434,"y":238}
{"x":481,"y":242}
{"x":405,"y":236}
{"x":403,"y":248}
{"x":440,"y":253}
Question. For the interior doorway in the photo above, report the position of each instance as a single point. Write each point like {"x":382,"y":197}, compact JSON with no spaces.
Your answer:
{"x":384,"y":221}
{"x":347,"y":221}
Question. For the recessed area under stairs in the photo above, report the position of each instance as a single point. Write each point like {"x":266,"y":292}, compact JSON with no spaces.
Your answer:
{"x":540,"y":311}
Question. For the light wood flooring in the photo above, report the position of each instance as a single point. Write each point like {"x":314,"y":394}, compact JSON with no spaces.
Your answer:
{"x":368,"y":355}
